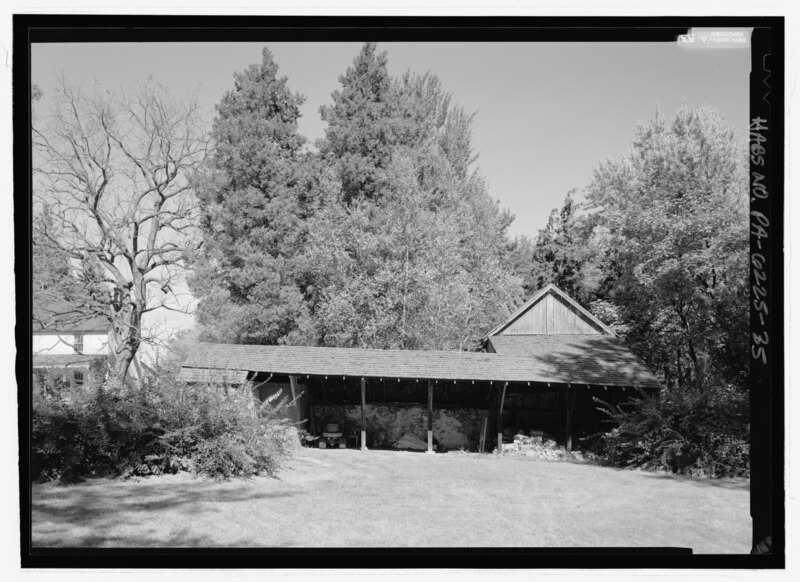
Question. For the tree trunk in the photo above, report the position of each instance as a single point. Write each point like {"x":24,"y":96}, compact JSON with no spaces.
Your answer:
{"x":122,"y":365}
{"x":127,"y":338}
{"x":690,"y":345}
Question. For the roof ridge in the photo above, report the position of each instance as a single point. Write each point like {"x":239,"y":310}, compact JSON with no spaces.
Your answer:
{"x":550,"y":287}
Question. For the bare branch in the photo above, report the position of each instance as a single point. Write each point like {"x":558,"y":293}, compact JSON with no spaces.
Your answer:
{"x":111,"y":186}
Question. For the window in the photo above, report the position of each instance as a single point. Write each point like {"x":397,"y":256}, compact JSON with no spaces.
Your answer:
{"x":78,"y":345}
{"x":77,"y":378}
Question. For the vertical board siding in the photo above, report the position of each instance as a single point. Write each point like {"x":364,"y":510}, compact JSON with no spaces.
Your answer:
{"x":551,"y":315}
{"x":550,"y":308}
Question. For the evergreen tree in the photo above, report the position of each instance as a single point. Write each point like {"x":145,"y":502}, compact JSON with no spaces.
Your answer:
{"x":255,"y":198}
{"x":358,"y":136}
{"x":559,"y":254}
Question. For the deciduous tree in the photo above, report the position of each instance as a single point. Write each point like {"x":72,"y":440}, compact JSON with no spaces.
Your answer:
{"x":671,"y":227}
{"x":111,"y":193}
{"x":419,"y":263}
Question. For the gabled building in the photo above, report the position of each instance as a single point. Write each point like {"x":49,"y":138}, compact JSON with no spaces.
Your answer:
{"x":540,"y":371}
{"x":72,"y":350}
{"x":553,"y":330}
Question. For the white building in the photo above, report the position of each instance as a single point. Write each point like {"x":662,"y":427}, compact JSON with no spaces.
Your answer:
{"x":73,"y":351}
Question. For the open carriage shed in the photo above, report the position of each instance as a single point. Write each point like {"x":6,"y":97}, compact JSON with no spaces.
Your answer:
{"x":539,"y":371}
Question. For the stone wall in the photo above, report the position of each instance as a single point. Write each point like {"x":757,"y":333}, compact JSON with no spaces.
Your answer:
{"x":453,"y":428}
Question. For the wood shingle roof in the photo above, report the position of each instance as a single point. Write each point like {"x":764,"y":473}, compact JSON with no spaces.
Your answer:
{"x":596,"y":358}
{"x":438,"y":365}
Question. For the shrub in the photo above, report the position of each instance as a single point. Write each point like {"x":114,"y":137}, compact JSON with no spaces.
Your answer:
{"x":695,"y":431}
{"x":163,"y":427}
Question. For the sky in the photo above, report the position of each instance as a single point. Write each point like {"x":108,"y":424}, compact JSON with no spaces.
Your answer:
{"x":545,"y":113}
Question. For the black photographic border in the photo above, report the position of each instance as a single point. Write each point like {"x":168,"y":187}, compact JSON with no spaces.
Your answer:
{"x":766,"y":273}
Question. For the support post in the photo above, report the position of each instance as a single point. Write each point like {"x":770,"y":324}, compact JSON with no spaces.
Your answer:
{"x":570,"y":392}
{"x":293,"y":387}
{"x":500,"y":420}
{"x":484,"y":431}
{"x":430,"y":416}
{"x":363,"y":414}
{"x":311,"y":425}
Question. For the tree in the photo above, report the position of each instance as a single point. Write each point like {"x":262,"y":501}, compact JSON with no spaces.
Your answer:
{"x":111,"y":193}
{"x":359,"y":132}
{"x":670,"y":225}
{"x":62,"y":292}
{"x":256,"y":193}
{"x":420,"y":262}
{"x":559,"y":254}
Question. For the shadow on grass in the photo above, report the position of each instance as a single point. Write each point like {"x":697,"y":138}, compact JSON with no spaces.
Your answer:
{"x":741,"y":483}
{"x":104,"y":509}
{"x":179,"y":539}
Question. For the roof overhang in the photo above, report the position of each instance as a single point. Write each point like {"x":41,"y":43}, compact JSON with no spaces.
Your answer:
{"x":231,"y":363}
{"x":212,"y":376}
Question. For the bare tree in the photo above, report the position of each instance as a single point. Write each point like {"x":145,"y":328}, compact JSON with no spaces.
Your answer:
{"x":111,"y":190}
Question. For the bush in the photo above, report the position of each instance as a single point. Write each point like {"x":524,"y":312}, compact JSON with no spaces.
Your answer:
{"x":703,"y":432}
{"x":164,"y":427}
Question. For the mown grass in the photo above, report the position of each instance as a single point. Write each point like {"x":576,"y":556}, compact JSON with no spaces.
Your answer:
{"x":346,"y":498}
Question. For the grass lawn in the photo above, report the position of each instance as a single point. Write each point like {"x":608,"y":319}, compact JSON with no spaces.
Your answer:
{"x":327,"y":498}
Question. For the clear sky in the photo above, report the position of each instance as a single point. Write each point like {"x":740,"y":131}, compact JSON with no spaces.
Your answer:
{"x":547,"y":113}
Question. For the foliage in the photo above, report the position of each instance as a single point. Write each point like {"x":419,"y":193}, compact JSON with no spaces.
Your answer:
{"x":558,"y":254}
{"x":417,"y":259}
{"x":255,"y":193}
{"x":698,"y":432}
{"x":359,"y":132}
{"x":385,"y":238}
{"x":111,"y":195}
{"x":165,"y":427}
{"x":669,"y":228}
{"x":659,"y":253}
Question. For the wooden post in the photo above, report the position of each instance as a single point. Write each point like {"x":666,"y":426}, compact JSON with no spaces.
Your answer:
{"x":569,"y":416}
{"x":311,"y":426}
{"x":430,"y":416}
{"x":293,"y":387}
{"x":484,"y":430}
{"x":295,"y":415}
{"x":363,"y":414}
{"x":500,"y":420}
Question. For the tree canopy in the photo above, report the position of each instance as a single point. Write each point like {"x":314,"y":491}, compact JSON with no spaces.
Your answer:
{"x":255,"y":193}
{"x":385,"y":237}
{"x":661,"y":247}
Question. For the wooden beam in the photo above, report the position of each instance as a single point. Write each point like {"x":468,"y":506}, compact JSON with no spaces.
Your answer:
{"x":500,"y":420}
{"x":430,"y":416}
{"x":363,"y":414}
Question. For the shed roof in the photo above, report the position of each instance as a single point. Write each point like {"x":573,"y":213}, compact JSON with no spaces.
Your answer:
{"x":208,"y":375}
{"x":596,"y":358}
{"x":66,"y":360}
{"x":407,"y":364}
